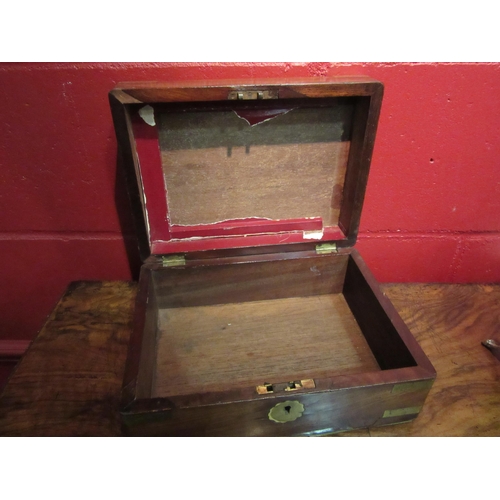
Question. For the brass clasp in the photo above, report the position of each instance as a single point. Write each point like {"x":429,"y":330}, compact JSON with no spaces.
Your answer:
{"x":249,"y":95}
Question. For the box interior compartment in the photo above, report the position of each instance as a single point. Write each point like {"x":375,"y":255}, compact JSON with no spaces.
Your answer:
{"x":220,"y":327}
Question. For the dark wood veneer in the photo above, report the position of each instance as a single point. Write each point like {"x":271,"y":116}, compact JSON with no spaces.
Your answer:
{"x":381,"y":335}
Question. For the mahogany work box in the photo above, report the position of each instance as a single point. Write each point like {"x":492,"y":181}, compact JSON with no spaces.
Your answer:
{"x":255,"y":314}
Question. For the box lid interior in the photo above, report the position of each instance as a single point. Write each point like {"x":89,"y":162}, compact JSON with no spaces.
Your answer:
{"x":220,"y":174}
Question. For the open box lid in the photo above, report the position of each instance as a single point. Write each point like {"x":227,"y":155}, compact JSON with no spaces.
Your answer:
{"x":246,"y":164}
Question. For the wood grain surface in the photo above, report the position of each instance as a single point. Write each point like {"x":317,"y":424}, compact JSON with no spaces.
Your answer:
{"x":252,"y":343}
{"x":69,"y":381}
{"x":290,"y":167}
{"x":450,"y":322}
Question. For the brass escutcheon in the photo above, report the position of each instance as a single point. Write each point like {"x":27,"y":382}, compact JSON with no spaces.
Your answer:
{"x":286,"y":412}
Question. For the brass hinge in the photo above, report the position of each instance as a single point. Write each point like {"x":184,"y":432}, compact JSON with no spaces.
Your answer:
{"x":245,"y":95}
{"x":326,"y":248}
{"x":173,"y":260}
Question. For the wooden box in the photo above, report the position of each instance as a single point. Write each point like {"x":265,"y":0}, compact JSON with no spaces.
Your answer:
{"x":255,"y":314}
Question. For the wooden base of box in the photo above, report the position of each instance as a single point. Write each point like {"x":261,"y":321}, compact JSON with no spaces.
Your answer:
{"x":247,"y":343}
{"x":217,"y":346}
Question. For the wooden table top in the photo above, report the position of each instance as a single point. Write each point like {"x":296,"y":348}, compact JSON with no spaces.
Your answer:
{"x":69,"y":381}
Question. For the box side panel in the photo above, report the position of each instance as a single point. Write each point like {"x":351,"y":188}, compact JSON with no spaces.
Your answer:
{"x":140,"y":364}
{"x":391,"y":341}
{"x":380,"y":333}
{"x":207,"y":285}
{"x":365,"y":121}
{"x":286,"y":88}
{"x":128,"y":165}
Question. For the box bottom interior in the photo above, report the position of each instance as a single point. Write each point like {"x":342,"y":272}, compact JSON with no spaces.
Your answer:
{"x":222,"y":346}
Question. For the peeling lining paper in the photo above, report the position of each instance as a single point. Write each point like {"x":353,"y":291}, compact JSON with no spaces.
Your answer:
{"x":230,"y":221}
{"x":256,"y":116}
{"x":312,"y":235}
{"x":147,"y":113}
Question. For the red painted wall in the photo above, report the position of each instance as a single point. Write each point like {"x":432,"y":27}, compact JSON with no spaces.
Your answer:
{"x":431,"y":213}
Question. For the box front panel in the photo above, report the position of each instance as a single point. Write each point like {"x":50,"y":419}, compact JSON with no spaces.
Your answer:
{"x":314,"y":413}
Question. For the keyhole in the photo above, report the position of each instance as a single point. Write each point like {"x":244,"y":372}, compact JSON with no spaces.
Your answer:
{"x":288,"y":411}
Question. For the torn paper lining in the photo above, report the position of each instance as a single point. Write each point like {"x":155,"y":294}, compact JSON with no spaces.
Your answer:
{"x":230,"y":221}
{"x":257,"y":116}
{"x":312,"y":235}
{"x":147,"y":113}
